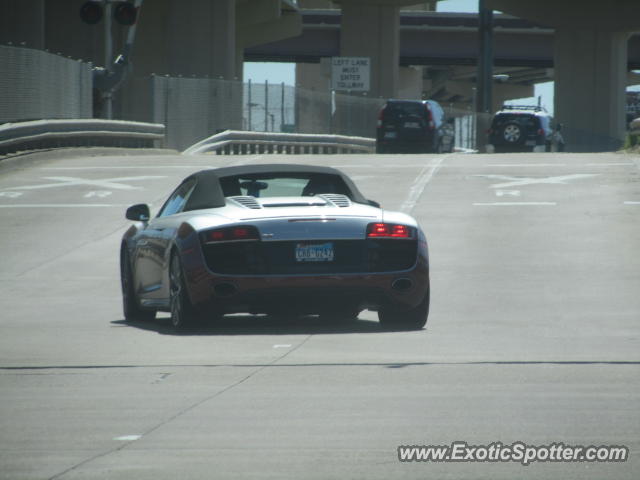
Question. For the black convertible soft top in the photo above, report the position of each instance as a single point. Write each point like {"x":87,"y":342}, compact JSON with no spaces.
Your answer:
{"x":209,"y":189}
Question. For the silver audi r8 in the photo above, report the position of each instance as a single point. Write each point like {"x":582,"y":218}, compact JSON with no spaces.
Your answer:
{"x":275,"y":239}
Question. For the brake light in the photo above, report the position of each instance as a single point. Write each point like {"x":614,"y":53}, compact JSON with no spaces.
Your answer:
{"x":380,"y":116}
{"x":430,"y":123}
{"x":540,"y":132}
{"x":241,"y":233}
{"x":231,"y":234}
{"x":216,"y":235}
{"x":378,"y":230}
{"x":389,"y":230}
{"x":400,"y":231}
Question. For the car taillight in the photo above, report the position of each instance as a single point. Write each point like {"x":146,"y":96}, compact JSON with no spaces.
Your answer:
{"x":389,"y":230}
{"x":231,"y":234}
{"x":380,"y":115}
{"x":540,"y":131}
{"x":430,"y":125}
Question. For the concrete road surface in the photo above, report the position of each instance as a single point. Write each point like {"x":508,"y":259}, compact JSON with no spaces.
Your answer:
{"x":533,"y":337}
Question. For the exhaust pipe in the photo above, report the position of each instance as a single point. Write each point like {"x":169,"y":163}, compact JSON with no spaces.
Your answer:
{"x":402,"y":284}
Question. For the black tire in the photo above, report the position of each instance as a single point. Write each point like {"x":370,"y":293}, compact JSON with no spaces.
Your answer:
{"x":512,"y":134}
{"x":183,"y":314}
{"x":412,"y":319}
{"x":346,"y":314}
{"x":130,"y":303}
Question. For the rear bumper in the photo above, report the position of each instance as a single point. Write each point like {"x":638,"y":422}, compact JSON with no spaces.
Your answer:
{"x":307,"y":293}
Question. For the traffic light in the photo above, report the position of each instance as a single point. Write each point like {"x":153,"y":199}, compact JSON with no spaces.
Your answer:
{"x":91,"y":12}
{"x":124,"y":13}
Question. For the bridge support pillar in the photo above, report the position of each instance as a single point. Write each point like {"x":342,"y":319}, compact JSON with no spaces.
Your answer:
{"x":373,"y":30}
{"x":590,"y":76}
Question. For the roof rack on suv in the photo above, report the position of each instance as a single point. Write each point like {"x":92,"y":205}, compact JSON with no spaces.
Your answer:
{"x":535,"y":108}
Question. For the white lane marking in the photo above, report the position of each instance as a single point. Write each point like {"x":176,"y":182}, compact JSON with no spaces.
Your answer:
{"x":283,"y":345}
{"x":98,"y":193}
{"x":512,"y":204}
{"x":512,"y":193}
{"x":10,"y":194}
{"x":420,"y":183}
{"x":520,"y":181}
{"x":114,"y":183}
{"x":123,"y":167}
{"x":127,"y":438}
{"x":610,"y":164}
{"x":525,"y":165}
{"x":368,"y":166}
{"x":632,"y":203}
{"x":63,"y":205}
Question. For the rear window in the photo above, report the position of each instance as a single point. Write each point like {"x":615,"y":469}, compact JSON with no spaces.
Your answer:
{"x":284,"y":185}
{"x":404,"y":109}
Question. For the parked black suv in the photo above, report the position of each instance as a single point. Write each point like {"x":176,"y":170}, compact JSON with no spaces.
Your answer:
{"x":416,"y":126}
{"x":518,"y":128}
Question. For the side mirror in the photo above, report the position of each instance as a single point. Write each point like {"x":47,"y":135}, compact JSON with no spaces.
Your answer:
{"x":138,"y":213}
{"x":373,"y":203}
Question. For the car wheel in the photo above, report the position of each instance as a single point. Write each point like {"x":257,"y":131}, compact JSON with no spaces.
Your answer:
{"x":512,"y":133}
{"x":130,"y":304}
{"x":342,"y":314}
{"x":398,"y":319}
{"x":183,"y":314}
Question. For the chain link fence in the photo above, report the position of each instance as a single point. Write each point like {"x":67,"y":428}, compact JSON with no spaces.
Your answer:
{"x":195,"y":108}
{"x":39,"y":85}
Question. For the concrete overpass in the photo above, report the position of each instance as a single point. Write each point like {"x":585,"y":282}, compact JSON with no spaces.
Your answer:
{"x":445,"y":42}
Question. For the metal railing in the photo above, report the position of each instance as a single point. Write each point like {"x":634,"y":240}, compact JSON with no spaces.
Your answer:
{"x":39,"y":134}
{"x":232,"y":142}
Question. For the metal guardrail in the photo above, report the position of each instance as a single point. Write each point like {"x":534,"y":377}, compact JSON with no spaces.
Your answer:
{"x":39,"y":134}
{"x":232,"y":142}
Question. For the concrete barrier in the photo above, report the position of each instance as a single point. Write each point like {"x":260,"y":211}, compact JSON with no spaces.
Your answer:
{"x":233,"y":142}
{"x":39,"y":134}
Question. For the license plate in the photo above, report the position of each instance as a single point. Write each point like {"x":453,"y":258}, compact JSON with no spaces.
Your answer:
{"x":309,"y":252}
{"x":411,"y":125}
{"x":390,"y":135}
{"x":530,"y":143}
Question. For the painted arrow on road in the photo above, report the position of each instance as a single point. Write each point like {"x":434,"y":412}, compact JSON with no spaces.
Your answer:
{"x":522,"y":181}
{"x":107,"y":183}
